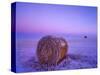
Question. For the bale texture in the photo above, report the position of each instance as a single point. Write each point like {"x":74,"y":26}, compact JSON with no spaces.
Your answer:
{"x":51,"y":50}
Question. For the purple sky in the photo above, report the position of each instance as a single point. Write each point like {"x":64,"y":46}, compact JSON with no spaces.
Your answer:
{"x":49,"y":19}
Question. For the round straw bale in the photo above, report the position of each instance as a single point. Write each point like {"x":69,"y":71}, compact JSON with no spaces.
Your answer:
{"x":51,"y":50}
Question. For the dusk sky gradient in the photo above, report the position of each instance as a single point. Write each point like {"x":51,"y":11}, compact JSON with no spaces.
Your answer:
{"x":50,"y":18}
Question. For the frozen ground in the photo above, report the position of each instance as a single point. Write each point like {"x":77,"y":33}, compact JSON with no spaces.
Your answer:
{"x":73,"y":62}
{"x":82,"y":54}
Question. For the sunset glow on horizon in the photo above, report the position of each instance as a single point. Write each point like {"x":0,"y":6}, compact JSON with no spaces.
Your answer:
{"x":49,"y":18}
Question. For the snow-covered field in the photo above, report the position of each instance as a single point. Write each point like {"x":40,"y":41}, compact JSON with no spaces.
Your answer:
{"x":82,"y":54}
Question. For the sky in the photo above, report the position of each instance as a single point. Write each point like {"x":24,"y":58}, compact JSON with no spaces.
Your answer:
{"x":38,"y":18}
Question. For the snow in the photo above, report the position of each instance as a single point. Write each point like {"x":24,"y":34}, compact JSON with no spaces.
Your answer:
{"x":82,"y":54}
